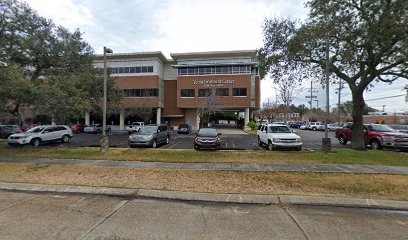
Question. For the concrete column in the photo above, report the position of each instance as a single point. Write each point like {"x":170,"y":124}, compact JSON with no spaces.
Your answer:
{"x":197,"y":120}
{"x":87,"y":118}
{"x":246,"y":115}
{"x":158,"y":116}
{"x":122,"y":120}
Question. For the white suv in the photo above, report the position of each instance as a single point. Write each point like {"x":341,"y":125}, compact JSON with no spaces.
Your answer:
{"x":278,"y":136}
{"x":316,"y":126}
{"x":135,"y":127}
{"x":36,"y":135}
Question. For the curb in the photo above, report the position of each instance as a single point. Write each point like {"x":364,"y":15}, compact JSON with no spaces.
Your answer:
{"x":281,"y":200}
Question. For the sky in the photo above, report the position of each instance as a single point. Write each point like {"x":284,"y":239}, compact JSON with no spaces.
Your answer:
{"x":175,"y":26}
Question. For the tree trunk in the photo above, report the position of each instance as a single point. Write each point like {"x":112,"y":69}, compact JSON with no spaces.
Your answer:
{"x":358,"y":141}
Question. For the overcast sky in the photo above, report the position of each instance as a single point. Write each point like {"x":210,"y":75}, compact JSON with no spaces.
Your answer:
{"x":173,"y":26}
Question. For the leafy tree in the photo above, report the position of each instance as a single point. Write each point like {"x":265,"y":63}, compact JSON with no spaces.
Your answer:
{"x":47,"y":68}
{"x":367,"y":41}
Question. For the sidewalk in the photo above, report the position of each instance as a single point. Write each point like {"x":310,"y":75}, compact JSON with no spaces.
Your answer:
{"x":281,"y":200}
{"x":244,"y":167}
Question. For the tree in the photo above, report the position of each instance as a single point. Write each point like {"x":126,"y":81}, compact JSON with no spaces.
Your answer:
{"x":366,"y":40}
{"x":51,"y":68}
{"x":207,"y":106}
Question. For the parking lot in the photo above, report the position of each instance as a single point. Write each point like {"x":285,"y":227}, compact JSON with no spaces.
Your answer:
{"x":231,"y":139}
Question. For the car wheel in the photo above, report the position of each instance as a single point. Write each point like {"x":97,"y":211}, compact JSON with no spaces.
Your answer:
{"x":342,"y":140}
{"x":270,"y":146}
{"x":259,"y":141}
{"x":65,"y":139}
{"x":375,"y":144}
{"x":35,"y":142}
{"x":314,"y":129}
{"x":154,"y":144}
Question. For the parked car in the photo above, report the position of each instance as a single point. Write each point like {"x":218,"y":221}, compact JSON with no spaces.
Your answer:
{"x":400,"y":128}
{"x":334,"y":126}
{"x":150,"y":136}
{"x":296,"y":124}
{"x":37,"y":135}
{"x":78,"y":128}
{"x":278,"y":136}
{"x":207,"y":138}
{"x":7,"y":130}
{"x":316,"y":126}
{"x":304,"y":127}
{"x":96,"y":128}
{"x":134,"y":127}
{"x":184,"y":129}
{"x":375,"y":135}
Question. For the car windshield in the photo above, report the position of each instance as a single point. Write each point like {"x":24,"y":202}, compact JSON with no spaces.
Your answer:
{"x":35,"y":130}
{"x":279,"y":129}
{"x":380,"y":128}
{"x":208,"y":132}
{"x":148,"y":129}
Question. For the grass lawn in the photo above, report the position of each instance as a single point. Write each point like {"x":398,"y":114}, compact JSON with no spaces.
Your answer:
{"x":318,"y":184}
{"x":339,"y":156}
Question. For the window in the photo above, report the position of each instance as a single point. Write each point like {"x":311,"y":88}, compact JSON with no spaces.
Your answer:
{"x":211,"y":70}
{"x":120,"y":70}
{"x":239,"y":92}
{"x":187,"y":93}
{"x":141,"y":92}
{"x":222,"y":92}
{"x":132,"y":70}
{"x":150,"y":69}
{"x":125,"y":70}
{"x":138,"y":69}
{"x":204,"y":92}
{"x":144,"y":69}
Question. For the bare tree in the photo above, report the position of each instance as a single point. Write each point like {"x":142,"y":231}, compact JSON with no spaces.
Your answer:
{"x":287,"y":89}
{"x":207,"y":106}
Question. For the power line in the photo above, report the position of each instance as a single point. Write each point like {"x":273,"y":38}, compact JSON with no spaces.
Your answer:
{"x":401,"y":95}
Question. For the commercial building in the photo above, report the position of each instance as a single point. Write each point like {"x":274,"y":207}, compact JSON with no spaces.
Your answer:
{"x":176,"y":88}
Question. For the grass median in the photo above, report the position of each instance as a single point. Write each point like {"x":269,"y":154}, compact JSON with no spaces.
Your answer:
{"x":390,"y":187}
{"x":338,"y":156}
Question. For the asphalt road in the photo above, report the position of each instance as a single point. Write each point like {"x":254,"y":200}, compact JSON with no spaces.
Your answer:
{"x":232,"y":139}
{"x":56,"y":216}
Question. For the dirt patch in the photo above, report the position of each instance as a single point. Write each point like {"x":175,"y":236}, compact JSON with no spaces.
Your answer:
{"x":326,"y":184}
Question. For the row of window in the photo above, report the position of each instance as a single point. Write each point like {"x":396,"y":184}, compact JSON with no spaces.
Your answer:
{"x":154,"y":92}
{"x":124,"y":70}
{"x":219,"y":92}
{"x":212,"y":70}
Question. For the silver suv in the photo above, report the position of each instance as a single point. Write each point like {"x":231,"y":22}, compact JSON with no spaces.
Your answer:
{"x":37,"y":135}
{"x":150,"y":136}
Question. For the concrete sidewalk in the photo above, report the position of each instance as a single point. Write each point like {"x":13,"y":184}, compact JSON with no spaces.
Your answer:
{"x":244,"y":167}
{"x":209,"y":197}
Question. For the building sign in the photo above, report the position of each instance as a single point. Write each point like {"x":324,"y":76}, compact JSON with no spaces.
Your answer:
{"x":213,"y":83}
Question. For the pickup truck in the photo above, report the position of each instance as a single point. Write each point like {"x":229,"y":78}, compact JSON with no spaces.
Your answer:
{"x":278,"y":136}
{"x":134,"y":127}
{"x":375,"y":135}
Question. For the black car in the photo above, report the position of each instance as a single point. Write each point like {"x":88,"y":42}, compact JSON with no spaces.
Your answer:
{"x":184,"y":129}
{"x":7,"y":130}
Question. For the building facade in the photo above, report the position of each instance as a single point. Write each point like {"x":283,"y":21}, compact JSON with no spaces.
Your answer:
{"x":177,"y":88}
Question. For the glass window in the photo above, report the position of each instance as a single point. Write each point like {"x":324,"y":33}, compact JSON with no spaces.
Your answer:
{"x":132,"y":70}
{"x":204,"y":92}
{"x":235,"y":69}
{"x":182,"y":71}
{"x":121,"y":70}
{"x":279,"y":129}
{"x":239,"y":92}
{"x":150,"y":69}
{"x":144,"y":69}
{"x":222,"y":92}
{"x":210,"y":132}
{"x":187,"y":93}
{"x":138,"y":69}
{"x":126,"y":69}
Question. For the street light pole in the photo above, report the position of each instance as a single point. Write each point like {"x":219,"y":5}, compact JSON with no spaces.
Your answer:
{"x":104,"y":142}
{"x":326,"y":141}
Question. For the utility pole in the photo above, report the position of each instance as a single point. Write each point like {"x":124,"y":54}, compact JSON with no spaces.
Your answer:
{"x":338,"y":104}
{"x":384,"y":107}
